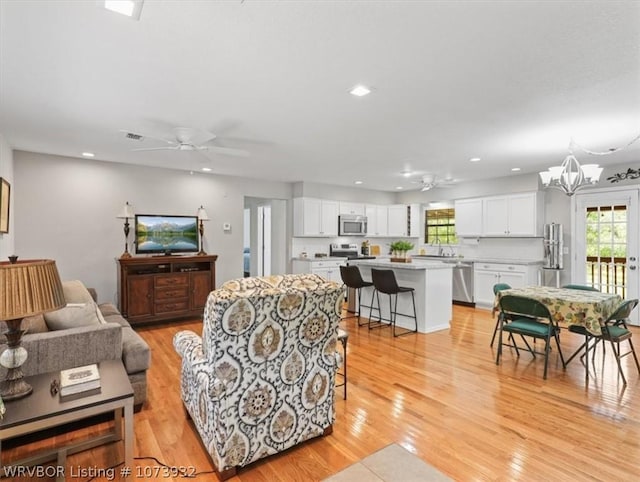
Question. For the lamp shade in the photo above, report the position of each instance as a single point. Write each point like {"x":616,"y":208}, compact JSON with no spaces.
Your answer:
{"x":127,"y":211}
{"x":202,"y":214}
{"x":29,"y":288}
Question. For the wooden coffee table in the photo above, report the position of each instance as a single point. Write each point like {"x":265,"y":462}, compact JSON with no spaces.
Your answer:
{"x":42,"y":410}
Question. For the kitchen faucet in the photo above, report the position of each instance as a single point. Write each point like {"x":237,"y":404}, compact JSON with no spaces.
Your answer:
{"x":440,"y":251}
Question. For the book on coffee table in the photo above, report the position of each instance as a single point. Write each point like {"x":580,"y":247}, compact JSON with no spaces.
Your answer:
{"x":79,"y":379}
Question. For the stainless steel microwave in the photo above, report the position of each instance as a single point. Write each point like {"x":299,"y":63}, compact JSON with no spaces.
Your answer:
{"x":352,"y":225}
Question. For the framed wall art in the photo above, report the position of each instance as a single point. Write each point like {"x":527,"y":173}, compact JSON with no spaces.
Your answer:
{"x":5,"y":193}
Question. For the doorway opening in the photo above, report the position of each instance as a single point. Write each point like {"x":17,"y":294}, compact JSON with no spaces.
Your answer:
{"x":265,"y":236}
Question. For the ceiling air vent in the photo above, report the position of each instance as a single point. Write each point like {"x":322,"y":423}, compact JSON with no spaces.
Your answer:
{"x":134,"y":137}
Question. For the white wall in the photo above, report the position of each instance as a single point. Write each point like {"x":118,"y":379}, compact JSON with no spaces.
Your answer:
{"x":341,"y":193}
{"x":65,"y":209}
{"x":6,"y":172}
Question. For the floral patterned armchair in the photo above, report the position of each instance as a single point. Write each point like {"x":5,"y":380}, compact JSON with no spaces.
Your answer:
{"x":261,"y":379}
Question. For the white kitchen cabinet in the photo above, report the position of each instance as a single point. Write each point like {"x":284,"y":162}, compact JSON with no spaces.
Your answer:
{"x":397,"y":222}
{"x":512,"y":215}
{"x":315,"y":217}
{"x":404,"y":220}
{"x":485,"y":275}
{"x":328,"y":269}
{"x":468,"y":217}
{"x":413,"y":221}
{"x":377,"y":218}
{"x":352,"y":208}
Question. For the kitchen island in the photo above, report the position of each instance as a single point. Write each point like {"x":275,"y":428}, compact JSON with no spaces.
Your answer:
{"x":432,"y":281}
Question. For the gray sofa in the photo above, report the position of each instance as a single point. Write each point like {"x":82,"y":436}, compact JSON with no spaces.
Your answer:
{"x":67,"y":348}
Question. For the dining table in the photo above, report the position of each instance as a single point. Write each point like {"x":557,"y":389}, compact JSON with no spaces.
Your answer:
{"x":568,"y":306}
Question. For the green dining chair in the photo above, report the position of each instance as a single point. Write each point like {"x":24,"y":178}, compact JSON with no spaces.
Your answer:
{"x":581,"y":287}
{"x":526,"y":315}
{"x":497,"y":288}
{"x":615,"y":330}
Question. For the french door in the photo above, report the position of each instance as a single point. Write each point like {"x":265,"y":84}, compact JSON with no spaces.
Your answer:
{"x":605,"y":238}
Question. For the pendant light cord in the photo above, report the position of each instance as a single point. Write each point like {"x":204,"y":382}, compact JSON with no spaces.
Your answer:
{"x":573,"y":144}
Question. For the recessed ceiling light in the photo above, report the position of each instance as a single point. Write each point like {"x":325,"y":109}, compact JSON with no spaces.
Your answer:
{"x":357,"y":182}
{"x":360,"y":90}
{"x":474,"y":159}
{"x":515,"y":169}
{"x":206,"y":169}
{"x":407,"y":173}
{"x":399,"y":187}
{"x":130,"y":8}
{"x":88,"y":154}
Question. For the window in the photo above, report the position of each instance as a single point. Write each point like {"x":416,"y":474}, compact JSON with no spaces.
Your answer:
{"x":440,"y":226}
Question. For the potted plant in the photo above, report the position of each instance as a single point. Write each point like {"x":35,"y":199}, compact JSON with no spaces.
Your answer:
{"x":399,"y":251}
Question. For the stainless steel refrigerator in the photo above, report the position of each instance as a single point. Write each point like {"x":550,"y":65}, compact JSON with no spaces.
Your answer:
{"x":553,"y":246}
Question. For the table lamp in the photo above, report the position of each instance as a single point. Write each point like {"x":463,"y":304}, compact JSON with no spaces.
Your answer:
{"x":126,"y":213}
{"x":202,"y":216}
{"x":27,"y":288}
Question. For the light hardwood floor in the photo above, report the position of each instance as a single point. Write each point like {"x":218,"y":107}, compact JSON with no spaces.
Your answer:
{"x":441,"y":396}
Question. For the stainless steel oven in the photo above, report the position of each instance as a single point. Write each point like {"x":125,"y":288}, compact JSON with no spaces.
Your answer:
{"x":352,"y":225}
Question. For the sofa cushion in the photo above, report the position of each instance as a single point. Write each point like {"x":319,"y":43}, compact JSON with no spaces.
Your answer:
{"x":136,"y":355}
{"x":111,"y":314}
{"x":72,"y":316}
{"x":35,"y":324}
{"x":81,"y":310}
{"x":76,"y":292}
{"x":108,"y":309}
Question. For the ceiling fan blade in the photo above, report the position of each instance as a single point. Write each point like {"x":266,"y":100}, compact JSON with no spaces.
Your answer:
{"x":227,"y":150}
{"x":147,"y":136}
{"x":168,"y":148}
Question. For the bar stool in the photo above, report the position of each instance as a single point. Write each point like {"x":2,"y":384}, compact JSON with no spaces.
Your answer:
{"x":384,"y":281}
{"x":343,"y":337}
{"x":352,"y":278}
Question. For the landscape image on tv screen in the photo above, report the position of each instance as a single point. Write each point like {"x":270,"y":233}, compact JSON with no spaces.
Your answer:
{"x":173,"y":234}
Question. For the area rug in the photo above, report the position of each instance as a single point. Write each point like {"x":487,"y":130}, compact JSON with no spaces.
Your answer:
{"x":390,"y":464}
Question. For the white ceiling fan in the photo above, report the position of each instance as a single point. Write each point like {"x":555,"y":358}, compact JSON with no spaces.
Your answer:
{"x":429,"y":181}
{"x":187,"y":139}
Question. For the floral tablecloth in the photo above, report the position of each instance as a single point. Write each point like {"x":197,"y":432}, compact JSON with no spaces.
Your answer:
{"x":570,"y":307}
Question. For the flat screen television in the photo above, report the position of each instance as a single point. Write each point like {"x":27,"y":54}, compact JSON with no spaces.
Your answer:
{"x":156,"y":233}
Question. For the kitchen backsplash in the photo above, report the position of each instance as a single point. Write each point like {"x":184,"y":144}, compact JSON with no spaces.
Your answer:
{"x":514,"y":248}
{"x":311,"y":246}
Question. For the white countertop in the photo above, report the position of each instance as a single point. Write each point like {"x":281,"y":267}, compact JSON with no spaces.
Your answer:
{"x":415,"y":264}
{"x":420,"y":259}
{"x":326,"y":258}
{"x":472,"y":259}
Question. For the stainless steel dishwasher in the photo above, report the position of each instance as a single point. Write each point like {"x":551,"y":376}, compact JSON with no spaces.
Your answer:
{"x":463,"y":283}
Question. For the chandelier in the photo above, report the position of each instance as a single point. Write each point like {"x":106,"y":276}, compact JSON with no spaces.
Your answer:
{"x":571,"y":176}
